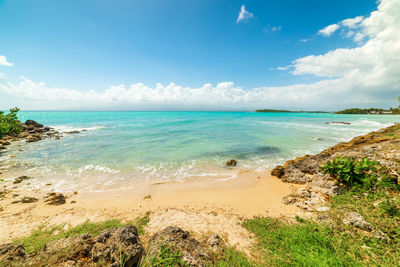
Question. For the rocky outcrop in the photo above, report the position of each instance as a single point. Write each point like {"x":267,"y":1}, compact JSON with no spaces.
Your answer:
{"x":192,"y":253}
{"x":355,"y":219}
{"x":338,"y":122}
{"x":32,"y":131}
{"x":115,"y":247}
{"x":54,"y":199}
{"x":382,"y":146}
{"x":231,"y":163}
{"x":11,"y":253}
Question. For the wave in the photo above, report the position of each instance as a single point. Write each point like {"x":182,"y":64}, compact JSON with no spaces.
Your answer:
{"x":67,"y":128}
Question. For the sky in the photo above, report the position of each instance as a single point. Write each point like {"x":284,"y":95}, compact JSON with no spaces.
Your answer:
{"x":199,"y":55}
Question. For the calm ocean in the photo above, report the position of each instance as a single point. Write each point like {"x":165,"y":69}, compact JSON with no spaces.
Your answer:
{"x":162,"y":146}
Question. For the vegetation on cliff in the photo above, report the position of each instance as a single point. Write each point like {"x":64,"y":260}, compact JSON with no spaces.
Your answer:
{"x":9,"y":123}
{"x":287,"y":111}
{"x":378,"y":111}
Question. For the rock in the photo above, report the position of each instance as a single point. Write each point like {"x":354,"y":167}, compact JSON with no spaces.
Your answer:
{"x":318,"y":139}
{"x":116,"y":244}
{"x":26,"y":200}
{"x":192,"y":253}
{"x":72,"y":132}
{"x":11,"y":252}
{"x":214,"y":241}
{"x":54,"y":199}
{"x":338,"y":122}
{"x":380,"y":235}
{"x":3,"y":147}
{"x":278,"y":171}
{"x":287,"y":200}
{"x":231,"y":163}
{"x":322,"y":209}
{"x":355,"y":219}
{"x":302,"y":193}
{"x":115,"y":247}
{"x":33,"y":138}
{"x":21,"y":179}
{"x":46,"y":129}
{"x":147,"y":197}
{"x":33,"y":123}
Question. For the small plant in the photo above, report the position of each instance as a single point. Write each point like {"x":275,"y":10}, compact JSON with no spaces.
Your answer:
{"x":349,"y":171}
{"x":9,"y":124}
{"x":166,"y":255}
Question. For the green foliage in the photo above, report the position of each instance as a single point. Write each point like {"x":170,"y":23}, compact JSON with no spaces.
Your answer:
{"x":350,"y":172}
{"x":304,"y":244}
{"x":360,"y":175}
{"x":232,"y":257}
{"x":369,"y":111}
{"x":9,"y":124}
{"x":166,"y":255}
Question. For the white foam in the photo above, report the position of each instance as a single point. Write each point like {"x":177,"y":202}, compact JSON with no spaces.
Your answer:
{"x":65,"y":128}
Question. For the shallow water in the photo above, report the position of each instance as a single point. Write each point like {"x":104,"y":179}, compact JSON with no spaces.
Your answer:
{"x":160,"y":146}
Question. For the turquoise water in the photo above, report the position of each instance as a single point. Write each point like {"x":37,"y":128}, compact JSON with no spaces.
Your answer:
{"x":159,"y":146}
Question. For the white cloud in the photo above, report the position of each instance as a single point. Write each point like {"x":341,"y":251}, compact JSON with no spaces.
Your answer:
{"x":329,"y":30}
{"x":4,"y":62}
{"x":367,"y":75}
{"x":244,"y":15}
{"x":276,"y":28}
{"x":352,"y":23}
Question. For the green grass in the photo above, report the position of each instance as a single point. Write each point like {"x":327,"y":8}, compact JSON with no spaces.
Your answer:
{"x":232,"y":257}
{"x":38,"y":238}
{"x":311,"y":243}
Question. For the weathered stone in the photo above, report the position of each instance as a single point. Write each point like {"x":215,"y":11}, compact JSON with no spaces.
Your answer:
{"x":231,"y":163}
{"x":278,"y":171}
{"x":193,"y":254}
{"x":118,"y":244}
{"x":11,"y":252}
{"x":54,"y":199}
{"x":26,"y":200}
{"x":21,"y":179}
{"x":355,"y":219}
{"x":115,"y":247}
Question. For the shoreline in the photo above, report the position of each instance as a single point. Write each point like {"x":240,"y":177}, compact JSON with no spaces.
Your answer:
{"x":200,"y":206}
{"x":181,"y":203}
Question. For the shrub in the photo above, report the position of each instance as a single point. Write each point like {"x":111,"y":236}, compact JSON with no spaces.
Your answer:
{"x":9,"y":124}
{"x":361,"y":174}
{"x":350,"y":172}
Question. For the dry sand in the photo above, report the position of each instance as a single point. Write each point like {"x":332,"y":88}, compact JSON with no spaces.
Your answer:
{"x":200,"y":206}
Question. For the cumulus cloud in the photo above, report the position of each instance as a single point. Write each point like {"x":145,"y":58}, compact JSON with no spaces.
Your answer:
{"x":352,"y":23}
{"x":244,"y":15}
{"x":329,"y":30}
{"x":4,"y":62}
{"x":367,"y":75}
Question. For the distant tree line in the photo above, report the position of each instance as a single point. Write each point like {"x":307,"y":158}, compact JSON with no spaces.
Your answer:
{"x":369,"y":111}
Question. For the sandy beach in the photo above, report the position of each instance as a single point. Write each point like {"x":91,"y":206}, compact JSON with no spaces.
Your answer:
{"x":202,"y":206}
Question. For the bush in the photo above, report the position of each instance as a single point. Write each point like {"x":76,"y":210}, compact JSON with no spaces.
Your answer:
{"x":9,"y":123}
{"x":361,"y":174}
{"x":349,"y":171}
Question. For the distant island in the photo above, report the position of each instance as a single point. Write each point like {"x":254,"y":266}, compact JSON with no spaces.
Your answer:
{"x":376,"y":111}
{"x":287,"y":111}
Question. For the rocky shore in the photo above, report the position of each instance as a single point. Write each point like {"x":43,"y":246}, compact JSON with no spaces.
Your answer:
{"x":32,"y":131}
{"x":116,"y":247}
{"x":311,"y":193}
{"x":382,"y":146}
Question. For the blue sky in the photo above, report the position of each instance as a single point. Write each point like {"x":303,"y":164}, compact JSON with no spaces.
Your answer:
{"x":97,"y":44}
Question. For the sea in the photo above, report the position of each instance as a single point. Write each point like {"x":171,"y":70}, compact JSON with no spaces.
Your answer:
{"x":120,"y":149}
